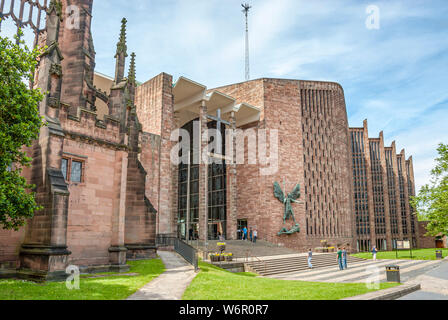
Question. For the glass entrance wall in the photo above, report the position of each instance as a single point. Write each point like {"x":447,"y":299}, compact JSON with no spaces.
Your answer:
{"x":194,"y":195}
{"x":217,"y":201}
{"x":217,"y":191}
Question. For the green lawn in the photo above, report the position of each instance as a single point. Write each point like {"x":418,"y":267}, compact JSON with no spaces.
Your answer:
{"x":106,"y":288}
{"x":213,"y":283}
{"x":417,"y":254}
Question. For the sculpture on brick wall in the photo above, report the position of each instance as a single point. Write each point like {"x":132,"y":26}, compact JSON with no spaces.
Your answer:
{"x":288,"y":212}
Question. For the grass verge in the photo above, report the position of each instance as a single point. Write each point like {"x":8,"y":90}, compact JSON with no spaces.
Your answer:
{"x":417,"y":254}
{"x":213,"y":283}
{"x":105,"y":288}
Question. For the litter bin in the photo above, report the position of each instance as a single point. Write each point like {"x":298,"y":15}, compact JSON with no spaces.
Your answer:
{"x":393,"y":273}
{"x":439,"y":254}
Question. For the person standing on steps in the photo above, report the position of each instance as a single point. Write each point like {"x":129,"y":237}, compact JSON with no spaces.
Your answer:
{"x":310,"y":256}
{"x":251,"y":235}
{"x":255,"y":235}
{"x":339,"y":255}
{"x":245,"y":233}
{"x":374,"y":251}
{"x":344,"y":258}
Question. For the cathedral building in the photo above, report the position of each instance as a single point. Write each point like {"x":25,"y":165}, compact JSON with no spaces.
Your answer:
{"x":106,"y":173}
{"x":383,"y":182}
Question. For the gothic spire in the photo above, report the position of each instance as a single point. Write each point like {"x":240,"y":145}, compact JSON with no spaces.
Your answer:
{"x":131,"y":75}
{"x":121,"y":45}
{"x":121,"y":54}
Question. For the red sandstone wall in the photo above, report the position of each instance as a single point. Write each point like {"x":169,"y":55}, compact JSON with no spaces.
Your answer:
{"x":282,"y":111}
{"x":148,"y":99}
{"x":281,"y":102}
{"x":10,"y":242}
{"x":248,"y":193}
{"x":89,"y":227}
{"x":251,"y":92}
{"x":149,"y":158}
{"x":91,"y":203}
{"x":77,"y":65}
{"x":154,"y":102}
{"x":425,"y":241}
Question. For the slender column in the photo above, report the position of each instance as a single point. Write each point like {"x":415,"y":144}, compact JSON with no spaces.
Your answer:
{"x":117,"y":251}
{"x":385,"y":193}
{"x":187,"y":224}
{"x":203,"y":174}
{"x":397,"y":191}
{"x":232,"y":182}
{"x":369,"y":186}
{"x":412,"y":180}
{"x":406,"y":194}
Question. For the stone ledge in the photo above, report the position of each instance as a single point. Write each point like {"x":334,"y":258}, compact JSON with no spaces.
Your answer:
{"x":388,"y":294}
{"x":8,"y":273}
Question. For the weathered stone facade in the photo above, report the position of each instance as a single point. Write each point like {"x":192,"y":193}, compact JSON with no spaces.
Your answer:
{"x":86,"y":169}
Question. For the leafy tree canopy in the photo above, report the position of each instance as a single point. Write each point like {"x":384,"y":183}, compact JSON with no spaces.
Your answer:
{"x":20,"y":124}
{"x":432,"y":200}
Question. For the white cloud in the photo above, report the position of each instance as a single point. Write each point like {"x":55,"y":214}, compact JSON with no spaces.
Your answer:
{"x":393,"y":76}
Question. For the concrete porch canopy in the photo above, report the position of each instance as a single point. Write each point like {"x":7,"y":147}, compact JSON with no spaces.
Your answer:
{"x":188,"y":97}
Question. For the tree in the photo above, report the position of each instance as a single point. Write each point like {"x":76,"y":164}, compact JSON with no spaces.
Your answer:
{"x":432,"y":200}
{"x":20,"y":124}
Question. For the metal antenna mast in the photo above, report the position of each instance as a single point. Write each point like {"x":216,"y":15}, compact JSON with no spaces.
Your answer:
{"x":246,"y":9}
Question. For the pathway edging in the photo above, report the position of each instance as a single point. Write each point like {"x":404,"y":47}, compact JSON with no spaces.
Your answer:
{"x":388,"y":294}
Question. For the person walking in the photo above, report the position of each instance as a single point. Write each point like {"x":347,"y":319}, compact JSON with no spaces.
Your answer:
{"x":245,"y":233}
{"x":251,"y":234}
{"x":344,"y":258}
{"x":255,"y":235}
{"x":310,"y":256}
{"x":374,"y":251}
{"x":339,"y":254}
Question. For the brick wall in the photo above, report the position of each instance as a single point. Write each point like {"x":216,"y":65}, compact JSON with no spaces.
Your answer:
{"x":148,"y":99}
{"x":282,"y":102}
{"x":425,"y":241}
{"x":154,"y":101}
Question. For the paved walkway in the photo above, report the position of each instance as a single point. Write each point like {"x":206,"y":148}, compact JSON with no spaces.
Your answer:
{"x":362,"y":271}
{"x":171,"y":284}
{"x":434,"y":284}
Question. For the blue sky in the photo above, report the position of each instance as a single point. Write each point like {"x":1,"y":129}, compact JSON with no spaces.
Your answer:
{"x":396,"y":77}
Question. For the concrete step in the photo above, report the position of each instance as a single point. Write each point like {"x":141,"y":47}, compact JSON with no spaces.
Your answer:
{"x":303,"y":259}
{"x":286,"y":265}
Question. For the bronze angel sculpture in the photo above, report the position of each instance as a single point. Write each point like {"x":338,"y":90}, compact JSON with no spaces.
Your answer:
{"x":288,"y":213}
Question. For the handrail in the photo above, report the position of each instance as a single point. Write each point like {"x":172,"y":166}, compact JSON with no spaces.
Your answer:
{"x":189,"y":253}
{"x":248,"y":254}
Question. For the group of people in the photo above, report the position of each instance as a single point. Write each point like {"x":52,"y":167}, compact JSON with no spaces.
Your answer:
{"x":341,"y":254}
{"x":342,"y":258}
{"x":253,"y":234}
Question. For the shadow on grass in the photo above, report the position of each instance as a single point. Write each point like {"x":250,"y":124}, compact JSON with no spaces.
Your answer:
{"x":105,"y":288}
